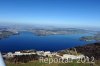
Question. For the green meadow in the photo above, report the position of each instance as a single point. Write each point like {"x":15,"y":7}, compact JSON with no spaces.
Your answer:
{"x":36,"y":63}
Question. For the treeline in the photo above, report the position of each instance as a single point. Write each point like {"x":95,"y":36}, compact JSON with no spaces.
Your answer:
{"x":22,"y":58}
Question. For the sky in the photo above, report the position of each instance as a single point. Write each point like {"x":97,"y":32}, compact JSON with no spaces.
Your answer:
{"x":81,"y":13}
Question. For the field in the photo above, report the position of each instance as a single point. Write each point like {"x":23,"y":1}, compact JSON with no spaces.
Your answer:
{"x":36,"y":63}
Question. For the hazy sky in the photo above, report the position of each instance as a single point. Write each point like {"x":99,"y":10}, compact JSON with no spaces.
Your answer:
{"x":51,"y":12}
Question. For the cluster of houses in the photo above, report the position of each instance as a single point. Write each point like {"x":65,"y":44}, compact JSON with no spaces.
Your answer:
{"x":43,"y":53}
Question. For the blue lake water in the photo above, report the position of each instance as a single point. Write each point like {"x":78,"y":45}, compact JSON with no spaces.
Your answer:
{"x":27,"y":40}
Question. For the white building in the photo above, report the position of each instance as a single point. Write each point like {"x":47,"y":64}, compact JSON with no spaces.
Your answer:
{"x":8,"y":55}
{"x":19,"y":53}
{"x":66,"y":56}
{"x":48,"y":53}
{"x":54,"y":53}
{"x":40,"y":53}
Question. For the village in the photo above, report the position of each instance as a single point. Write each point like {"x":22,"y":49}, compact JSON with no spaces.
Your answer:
{"x":43,"y":54}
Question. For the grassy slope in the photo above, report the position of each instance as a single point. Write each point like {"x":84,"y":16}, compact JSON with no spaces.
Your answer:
{"x":43,"y":64}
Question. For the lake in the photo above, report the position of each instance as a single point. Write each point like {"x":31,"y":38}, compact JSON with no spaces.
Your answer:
{"x":27,"y":41}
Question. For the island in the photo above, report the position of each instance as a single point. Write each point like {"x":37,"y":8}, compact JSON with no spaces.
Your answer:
{"x":57,"y":31}
{"x":95,"y":37}
{"x":5,"y":33}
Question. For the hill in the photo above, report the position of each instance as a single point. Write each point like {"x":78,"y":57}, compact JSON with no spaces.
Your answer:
{"x":90,"y":50}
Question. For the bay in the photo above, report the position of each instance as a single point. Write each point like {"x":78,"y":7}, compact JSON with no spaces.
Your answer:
{"x":27,"y":41}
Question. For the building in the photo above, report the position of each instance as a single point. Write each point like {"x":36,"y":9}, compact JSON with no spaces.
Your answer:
{"x":47,"y":53}
{"x":8,"y":55}
{"x":19,"y":53}
{"x":66,"y":56}
{"x":41,"y":53}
